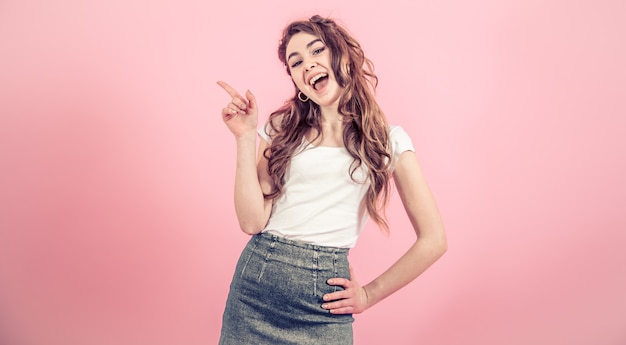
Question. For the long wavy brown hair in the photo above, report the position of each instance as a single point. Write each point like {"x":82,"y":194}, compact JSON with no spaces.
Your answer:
{"x":365,"y":134}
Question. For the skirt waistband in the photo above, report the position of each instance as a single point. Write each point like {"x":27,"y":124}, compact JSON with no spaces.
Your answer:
{"x":298,"y":254}
{"x":265,"y":236}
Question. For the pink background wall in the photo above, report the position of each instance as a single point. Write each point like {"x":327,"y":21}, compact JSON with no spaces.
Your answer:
{"x":116,"y":216}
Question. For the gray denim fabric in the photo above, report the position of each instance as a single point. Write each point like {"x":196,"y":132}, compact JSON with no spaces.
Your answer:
{"x":276,"y":295}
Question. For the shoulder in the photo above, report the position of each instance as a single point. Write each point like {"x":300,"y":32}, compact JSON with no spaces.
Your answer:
{"x":399,"y":138}
{"x":399,"y":141}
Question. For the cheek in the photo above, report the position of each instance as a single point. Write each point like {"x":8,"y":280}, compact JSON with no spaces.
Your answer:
{"x":298,"y":81}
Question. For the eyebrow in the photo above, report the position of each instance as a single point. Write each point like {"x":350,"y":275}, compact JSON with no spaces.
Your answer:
{"x":307,"y":46}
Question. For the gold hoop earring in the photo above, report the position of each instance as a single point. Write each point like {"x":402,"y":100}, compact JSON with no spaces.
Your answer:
{"x":303,"y":100}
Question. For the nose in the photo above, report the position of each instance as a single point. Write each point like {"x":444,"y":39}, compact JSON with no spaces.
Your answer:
{"x":310,"y":64}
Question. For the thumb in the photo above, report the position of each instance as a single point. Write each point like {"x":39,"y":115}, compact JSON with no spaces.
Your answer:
{"x":251,"y":99}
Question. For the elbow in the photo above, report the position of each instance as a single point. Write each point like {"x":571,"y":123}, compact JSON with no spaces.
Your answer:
{"x":251,"y":228}
{"x":442,"y":243}
{"x":435,"y":240}
{"x":251,"y":223}
{"x":443,"y":246}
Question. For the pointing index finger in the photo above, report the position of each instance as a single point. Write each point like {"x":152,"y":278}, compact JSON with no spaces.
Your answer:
{"x":232,"y":92}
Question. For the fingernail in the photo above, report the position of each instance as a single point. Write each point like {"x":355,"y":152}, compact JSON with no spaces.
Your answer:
{"x":326,"y":298}
{"x":330,"y":281}
{"x":324,"y":306}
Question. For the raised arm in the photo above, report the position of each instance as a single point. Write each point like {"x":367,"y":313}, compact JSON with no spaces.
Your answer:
{"x":430,"y":244}
{"x":251,"y":179}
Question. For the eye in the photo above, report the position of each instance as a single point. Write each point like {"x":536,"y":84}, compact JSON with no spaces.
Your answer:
{"x":318,"y":50}
{"x":296,"y":64}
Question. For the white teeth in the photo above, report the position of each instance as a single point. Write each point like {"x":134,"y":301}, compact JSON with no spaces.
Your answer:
{"x":317,"y":77}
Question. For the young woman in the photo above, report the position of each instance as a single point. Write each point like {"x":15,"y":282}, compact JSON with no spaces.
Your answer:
{"x":324,"y":166}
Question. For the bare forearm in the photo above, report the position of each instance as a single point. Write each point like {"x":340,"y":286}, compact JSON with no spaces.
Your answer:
{"x":414,"y":262}
{"x":249,"y":201}
{"x":427,"y":224}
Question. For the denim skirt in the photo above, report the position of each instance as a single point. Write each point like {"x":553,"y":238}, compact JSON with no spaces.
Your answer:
{"x":276,"y":295}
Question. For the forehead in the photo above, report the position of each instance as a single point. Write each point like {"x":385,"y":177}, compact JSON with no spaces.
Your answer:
{"x":298,"y":43}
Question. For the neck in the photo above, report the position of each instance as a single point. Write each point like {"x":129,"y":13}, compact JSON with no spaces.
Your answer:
{"x":332,"y":129}
{"x":330,"y":115}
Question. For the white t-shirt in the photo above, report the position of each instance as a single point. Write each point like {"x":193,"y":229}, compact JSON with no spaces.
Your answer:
{"x":321,"y":203}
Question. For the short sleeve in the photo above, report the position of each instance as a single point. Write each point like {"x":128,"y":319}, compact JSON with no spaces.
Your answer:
{"x":400,"y":142}
{"x":264,"y":132}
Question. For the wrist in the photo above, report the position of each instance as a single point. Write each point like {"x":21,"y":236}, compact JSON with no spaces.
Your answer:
{"x":246,"y":136}
{"x":369,"y":300}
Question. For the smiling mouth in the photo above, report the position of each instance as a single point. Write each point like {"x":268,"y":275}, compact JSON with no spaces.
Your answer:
{"x":319,"y":81}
